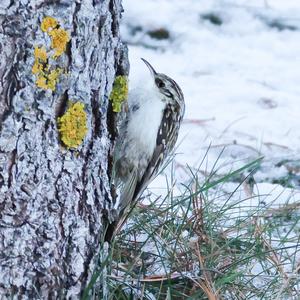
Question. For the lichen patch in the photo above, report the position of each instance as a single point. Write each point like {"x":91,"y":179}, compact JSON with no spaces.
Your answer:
{"x":59,"y":41}
{"x":119,"y":92}
{"x":47,"y":75}
{"x":72,"y":126}
{"x":48,"y":24}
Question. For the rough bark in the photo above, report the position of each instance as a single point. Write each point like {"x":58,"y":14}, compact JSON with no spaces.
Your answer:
{"x":55,"y":202}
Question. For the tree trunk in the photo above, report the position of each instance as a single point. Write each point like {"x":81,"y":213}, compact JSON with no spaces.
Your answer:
{"x":55,"y":199}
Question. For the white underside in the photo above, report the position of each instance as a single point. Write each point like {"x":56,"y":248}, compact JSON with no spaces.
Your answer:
{"x":144,"y":122}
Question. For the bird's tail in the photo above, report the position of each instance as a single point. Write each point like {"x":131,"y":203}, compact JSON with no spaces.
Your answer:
{"x":124,"y":207}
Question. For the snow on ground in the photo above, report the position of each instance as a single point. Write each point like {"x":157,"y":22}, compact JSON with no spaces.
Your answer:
{"x":238,"y":64}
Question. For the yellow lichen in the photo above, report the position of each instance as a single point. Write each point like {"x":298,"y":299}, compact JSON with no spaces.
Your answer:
{"x":40,"y":59}
{"x":40,"y":54}
{"x":47,"y":75}
{"x":36,"y":68}
{"x":119,"y":92}
{"x":48,"y":23}
{"x":59,"y":36}
{"x":72,"y":126}
{"x":59,"y":40}
{"x":41,"y":82}
{"x":45,"y":78}
{"x":53,"y":78}
{"x":48,"y":80}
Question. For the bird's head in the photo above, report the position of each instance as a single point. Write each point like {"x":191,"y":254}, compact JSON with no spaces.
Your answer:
{"x":168,"y":89}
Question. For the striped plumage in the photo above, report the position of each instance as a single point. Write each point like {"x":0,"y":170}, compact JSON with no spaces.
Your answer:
{"x":147,"y":135}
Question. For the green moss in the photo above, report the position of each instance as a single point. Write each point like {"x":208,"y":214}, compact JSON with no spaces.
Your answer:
{"x":72,"y":126}
{"x":119,"y":92}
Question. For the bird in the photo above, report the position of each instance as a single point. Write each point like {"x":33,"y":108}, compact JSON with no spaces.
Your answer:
{"x":147,"y":135}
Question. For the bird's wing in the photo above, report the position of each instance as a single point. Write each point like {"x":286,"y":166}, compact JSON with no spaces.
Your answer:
{"x":162,"y":149}
{"x":128,"y":190}
{"x":133,"y":188}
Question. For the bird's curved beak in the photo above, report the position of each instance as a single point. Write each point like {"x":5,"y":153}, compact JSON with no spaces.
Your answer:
{"x":153,"y":72}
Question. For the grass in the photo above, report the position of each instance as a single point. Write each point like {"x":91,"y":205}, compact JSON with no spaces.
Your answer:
{"x":207,"y":243}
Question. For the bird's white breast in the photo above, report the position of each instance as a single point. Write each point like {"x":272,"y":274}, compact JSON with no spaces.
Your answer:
{"x":145,"y":121}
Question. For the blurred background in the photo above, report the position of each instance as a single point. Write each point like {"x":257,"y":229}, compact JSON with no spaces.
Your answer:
{"x":238,"y":64}
{"x":219,"y":227}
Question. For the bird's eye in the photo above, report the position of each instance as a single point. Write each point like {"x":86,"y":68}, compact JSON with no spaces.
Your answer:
{"x":159,"y":83}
